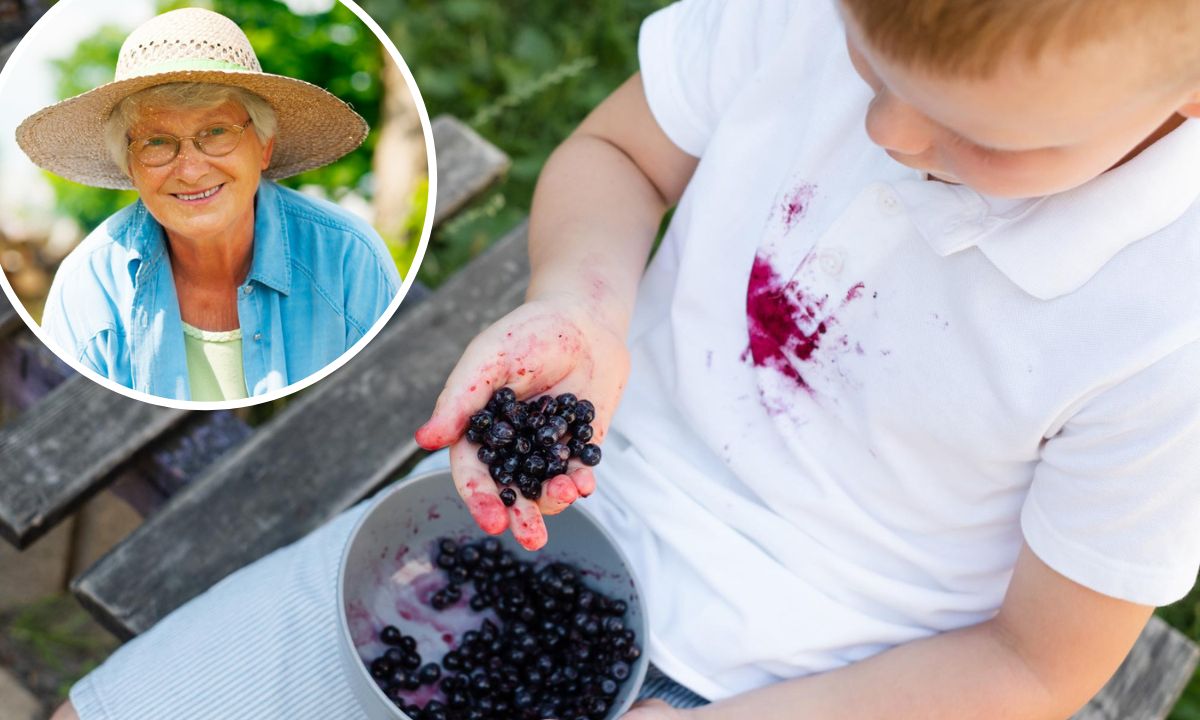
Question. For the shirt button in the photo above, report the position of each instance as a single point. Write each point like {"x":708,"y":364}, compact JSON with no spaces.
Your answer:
{"x":247,"y":289}
{"x":887,"y":201}
{"x":831,"y":262}
{"x":257,"y":337}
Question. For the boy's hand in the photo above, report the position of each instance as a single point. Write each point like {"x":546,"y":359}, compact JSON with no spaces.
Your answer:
{"x":549,"y":345}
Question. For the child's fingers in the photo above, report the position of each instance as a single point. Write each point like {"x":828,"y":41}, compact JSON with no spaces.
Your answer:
{"x":527,"y":524}
{"x":557,"y":494}
{"x":477,"y":489}
{"x":468,"y":389}
{"x":584,"y":479}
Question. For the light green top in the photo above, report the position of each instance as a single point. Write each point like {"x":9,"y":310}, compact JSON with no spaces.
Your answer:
{"x":214,"y":362}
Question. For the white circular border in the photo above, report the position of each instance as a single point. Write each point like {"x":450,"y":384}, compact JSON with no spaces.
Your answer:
{"x":42,"y":27}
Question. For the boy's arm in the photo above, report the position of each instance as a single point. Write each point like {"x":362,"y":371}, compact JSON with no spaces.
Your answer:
{"x":599,"y":202}
{"x":1052,"y":647}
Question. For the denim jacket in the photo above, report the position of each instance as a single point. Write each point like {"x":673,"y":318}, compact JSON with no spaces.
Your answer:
{"x":318,"y":281}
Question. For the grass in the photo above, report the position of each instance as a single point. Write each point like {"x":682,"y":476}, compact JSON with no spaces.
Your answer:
{"x":51,"y":644}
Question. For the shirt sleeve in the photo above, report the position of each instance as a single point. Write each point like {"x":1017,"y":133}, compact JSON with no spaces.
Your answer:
{"x":76,"y":335}
{"x":696,"y":55}
{"x":1115,"y":500}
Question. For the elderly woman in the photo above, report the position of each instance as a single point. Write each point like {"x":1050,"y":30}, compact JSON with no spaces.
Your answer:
{"x":217,"y":284}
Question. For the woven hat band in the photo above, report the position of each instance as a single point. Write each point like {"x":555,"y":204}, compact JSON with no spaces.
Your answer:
{"x":190,"y":64}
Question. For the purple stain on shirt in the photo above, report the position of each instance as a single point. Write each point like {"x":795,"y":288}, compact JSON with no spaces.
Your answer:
{"x":795,"y":203}
{"x":777,"y":313}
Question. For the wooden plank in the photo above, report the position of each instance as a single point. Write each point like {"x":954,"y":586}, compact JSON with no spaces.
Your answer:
{"x":1149,"y":682}
{"x":52,"y":458}
{"x":466,"y":165}
{"x":326,"y":451}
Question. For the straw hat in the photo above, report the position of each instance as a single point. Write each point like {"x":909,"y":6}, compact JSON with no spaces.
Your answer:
{"x":189,"y":45}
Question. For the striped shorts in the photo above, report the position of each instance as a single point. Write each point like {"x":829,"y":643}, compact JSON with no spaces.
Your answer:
{"x":259,"y":645}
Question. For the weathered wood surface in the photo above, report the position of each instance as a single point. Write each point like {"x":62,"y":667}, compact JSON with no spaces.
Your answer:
{"x":326,"y":451}
{"x":1149,"y":682}
{"x":466,"y":165}
{"x":52,"y":457}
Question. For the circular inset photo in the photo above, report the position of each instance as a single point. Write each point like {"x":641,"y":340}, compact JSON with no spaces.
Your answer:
{"x":210,"y":204}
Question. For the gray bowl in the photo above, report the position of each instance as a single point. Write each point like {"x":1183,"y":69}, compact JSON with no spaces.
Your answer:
{"x":386,"y":576}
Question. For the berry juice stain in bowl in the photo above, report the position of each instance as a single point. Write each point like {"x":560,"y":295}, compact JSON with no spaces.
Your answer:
{"x":442,"y":622}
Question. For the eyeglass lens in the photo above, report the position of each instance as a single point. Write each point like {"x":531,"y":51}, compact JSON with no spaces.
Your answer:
{"x":215,"y":140}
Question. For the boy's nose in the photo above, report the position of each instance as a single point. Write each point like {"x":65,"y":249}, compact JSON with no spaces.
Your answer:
{"x":897,"y":126}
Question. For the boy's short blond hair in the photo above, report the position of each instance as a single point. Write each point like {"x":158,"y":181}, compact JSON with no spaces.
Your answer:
{"x":971,"y":38}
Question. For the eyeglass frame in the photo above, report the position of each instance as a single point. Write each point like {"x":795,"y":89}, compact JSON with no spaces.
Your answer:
{"x":179,"y":142}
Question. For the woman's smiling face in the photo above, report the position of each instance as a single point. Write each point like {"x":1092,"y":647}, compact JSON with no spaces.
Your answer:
{"x":198,"y":196}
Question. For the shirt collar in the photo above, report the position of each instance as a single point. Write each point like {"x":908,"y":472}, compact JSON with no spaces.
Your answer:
{"x":1053,"y":245}
{"x":271,"y":265}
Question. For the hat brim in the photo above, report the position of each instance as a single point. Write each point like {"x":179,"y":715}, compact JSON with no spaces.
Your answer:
{"x":315,"y":127}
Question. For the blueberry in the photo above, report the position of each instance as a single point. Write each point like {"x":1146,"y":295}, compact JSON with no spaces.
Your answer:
{"x":506,"y":479}
{"x":448,"y":546}
{"x":408,"y":644}
{"x":496,"y":470}
{"x":511,"y":464}
{"x":590,"y":455}
{"x":380,"y":666}
{"x":394,"y":655}
{"x":559,"y":450}
{"x":555,"y":467}
{"x":566,"y":400}
{"x":490,"y":547}
{"x":522,"y":445}
{"x":500,"y":434}
{"x":534,"y":466}
{"x":481,"y":420}
{"x":469,"y":555}
{"x":508,"y":497}
{"x":504,"y":395}
{"x":545,"y":436}
{"x":487,"y":455}
{"x":390,"y":635}
{"x":475,"y":436}
{"x":585,"y":412}
{"x":575,"y":447}
{"x":429,"y":673}
{"x":581,"y":431}
{"x":517,"y":414}
{"x":533,"y":491}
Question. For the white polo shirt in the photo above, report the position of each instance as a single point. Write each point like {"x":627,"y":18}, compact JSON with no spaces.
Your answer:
{"x":855,"y":392}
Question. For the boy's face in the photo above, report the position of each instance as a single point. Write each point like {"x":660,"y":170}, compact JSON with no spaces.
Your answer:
{"x":1031,"y":129}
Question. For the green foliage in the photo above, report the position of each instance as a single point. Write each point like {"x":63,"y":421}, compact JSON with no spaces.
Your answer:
{"x":523,"y":74}
{"x":1185,"y":615}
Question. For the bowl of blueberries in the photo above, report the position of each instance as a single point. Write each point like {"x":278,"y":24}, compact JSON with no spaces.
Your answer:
{"x":440,"y":621}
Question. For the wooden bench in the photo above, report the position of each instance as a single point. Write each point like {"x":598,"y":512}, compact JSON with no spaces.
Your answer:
{"x":232,"y":494}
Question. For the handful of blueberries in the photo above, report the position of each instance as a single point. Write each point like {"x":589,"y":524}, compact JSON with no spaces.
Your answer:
{"x":560,"y":650}
{"x":524,"y":444}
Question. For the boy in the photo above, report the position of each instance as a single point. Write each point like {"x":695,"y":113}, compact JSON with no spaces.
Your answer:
{"x":912,"y":423}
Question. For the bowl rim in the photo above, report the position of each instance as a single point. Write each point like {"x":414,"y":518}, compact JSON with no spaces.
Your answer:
{"x":642,"y":665}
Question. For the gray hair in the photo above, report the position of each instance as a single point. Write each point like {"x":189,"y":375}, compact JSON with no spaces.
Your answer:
{"x":184,"y":96}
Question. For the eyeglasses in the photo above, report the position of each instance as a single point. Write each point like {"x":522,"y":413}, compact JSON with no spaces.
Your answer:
{"x":214,"y":141}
